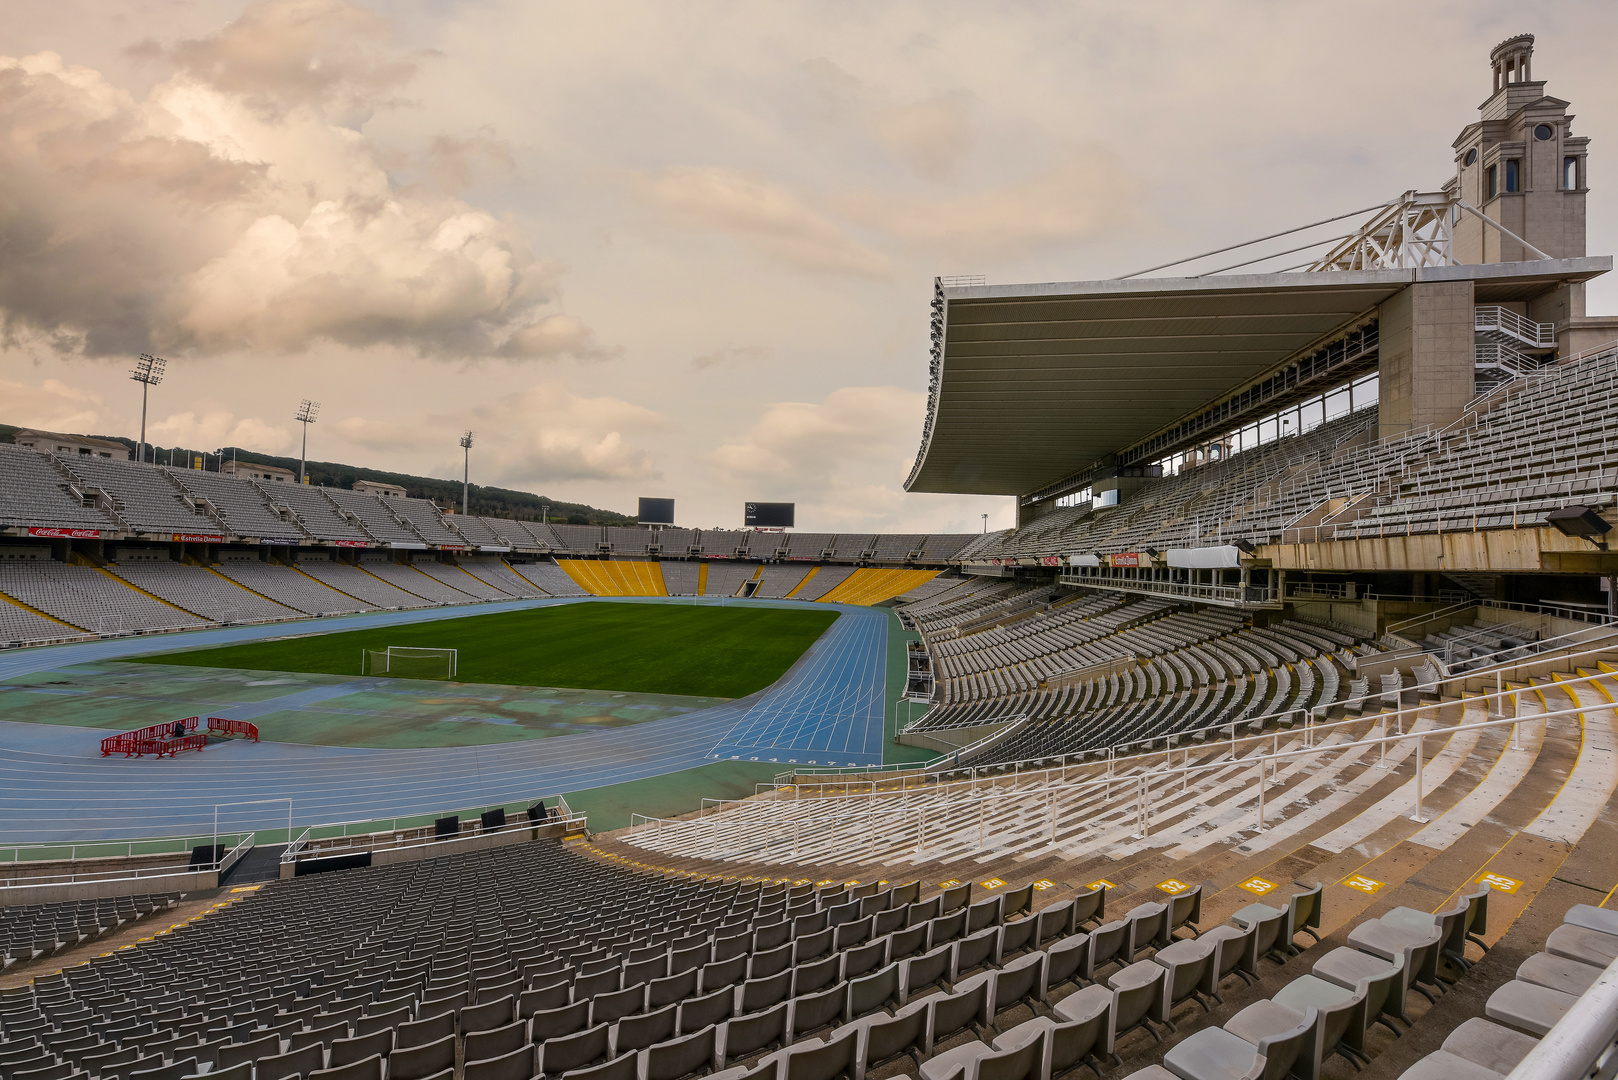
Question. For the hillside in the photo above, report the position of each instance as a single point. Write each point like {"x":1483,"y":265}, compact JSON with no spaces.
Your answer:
{"x":486,"y":501}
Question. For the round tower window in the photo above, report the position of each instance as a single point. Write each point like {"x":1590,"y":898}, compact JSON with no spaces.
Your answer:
{"x":1471,"y":157}
{"x":1543,"y":132}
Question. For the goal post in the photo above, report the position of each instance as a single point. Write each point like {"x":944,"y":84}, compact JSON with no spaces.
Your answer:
{"x":410,"y":662}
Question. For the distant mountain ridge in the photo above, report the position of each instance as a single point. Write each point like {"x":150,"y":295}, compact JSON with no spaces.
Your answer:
{"x":484,"y":501}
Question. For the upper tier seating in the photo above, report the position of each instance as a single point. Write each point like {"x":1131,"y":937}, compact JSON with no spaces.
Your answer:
{"x":200,"y":590}
{"x":725,"y":542}
{"x":478,"y":532}
{"x":239,"y":504}
{"x":811,"y":546}
{"x":89,"y":599}
{"x":675,"y":543}
{"x":374,"y":516}
{"x":426,"y":520}
{"x":143,"y":496}
{"x":315,"y":511}
{"x":33,"y":492}
{"x":581,"y":539}
{"x":629,"y":541}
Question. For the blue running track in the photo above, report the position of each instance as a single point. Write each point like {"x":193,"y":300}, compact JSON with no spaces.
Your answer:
{"x":55,"y":786}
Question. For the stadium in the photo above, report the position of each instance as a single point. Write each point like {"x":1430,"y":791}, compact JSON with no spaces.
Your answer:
{"x":1276,"y":738}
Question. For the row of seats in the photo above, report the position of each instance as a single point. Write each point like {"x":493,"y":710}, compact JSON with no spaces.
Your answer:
{"x":28,"y":931}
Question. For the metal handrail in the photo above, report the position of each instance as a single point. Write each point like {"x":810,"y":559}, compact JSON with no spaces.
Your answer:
{"x":901,"y":766}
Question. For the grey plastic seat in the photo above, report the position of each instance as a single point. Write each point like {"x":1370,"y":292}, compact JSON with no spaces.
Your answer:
{"x":1016,"y":936}
{"x":1492,"y":1046}
{"x":1582,"y":944}
{"x":625,"y":1067}
{"x":929,"y":969}
{"x":986,"y":912}
{"x":761,"y":965}
{"x":1055,"y":921}
{"x":369,"y":1068}
{"x":496,"y":1042}
{"x":1528,"y":1008}
{"x":811,"y":1012}
{"x":554,"y":1023}
{"x":422,"y":1032}
{"x":964,"y":1010}
{"x":1185,"y":910}
{"x":1340,"y":1024}
{"x":1390,"y":942}
{"x":348,"y":1051}
{"x":1592,"y":918}
{"x":1108,"y":944}
{"x":1138,"y":998}
{"x":745,"y":1036}
{"x":872,"y":992}
{"x":684,"y":1056}
{"x":1445,"y":1065}
{"x":295,"y":1063}
{"x":419,"y":1062}
{"x":617,"y":1004}
{"x":975,"y":1060}
{"x":909,"y":941}
{"x":1148,"y":928}
{"x":492,"y":1014}
{"x":371,"y":1023}
{"x":863,"y":959}
{"x":517,"y":1064}
{"x":570,"y":1052}
{"x":884,"y":1038}
{"x":974,"y":951}
{"x":1065,"y":961}
{"x":711,"y":1009}
{"x":816,"y":975}
{"x":1300,"y":916}
{"x":1022,"y":980}
{"x":1218,"y":1054}
{"x":639,"y":1032}
{"x":1189,"y":967}
{"x":1451,"y":923}
{"x":835,"y":1058}
{"x":1350,"y":968}
{"x":174,"y":1071}
{"x":1558,"y":973}
{"x":1235,"y":952}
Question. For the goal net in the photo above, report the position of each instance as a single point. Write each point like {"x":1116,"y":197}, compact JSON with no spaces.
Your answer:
{"x":404,"y":662}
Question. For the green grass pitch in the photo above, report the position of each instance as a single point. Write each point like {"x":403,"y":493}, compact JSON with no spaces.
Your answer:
{"x":723,"y":652}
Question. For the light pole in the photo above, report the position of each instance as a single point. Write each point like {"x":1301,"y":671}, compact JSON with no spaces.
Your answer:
{"x":985,"y":518}
{"x":148,"y":372}
{"x":308,"y":413}
{"x":466,"y":469}
{"x":544,"y":513}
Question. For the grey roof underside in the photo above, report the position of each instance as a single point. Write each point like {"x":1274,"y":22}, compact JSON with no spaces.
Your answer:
{"x":1039,"y":381}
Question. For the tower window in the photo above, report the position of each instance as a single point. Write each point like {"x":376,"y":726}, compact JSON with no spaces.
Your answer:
{"x":1493,"y":186}
{"x":1543,"y":132}
{"x":1511,"y":175}
{"x":1570,"y":173}
{"x":1472,"y":156}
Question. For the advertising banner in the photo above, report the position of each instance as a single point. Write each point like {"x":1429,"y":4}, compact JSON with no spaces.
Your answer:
{"x":65,"y":534}
{"x":197,"y":538}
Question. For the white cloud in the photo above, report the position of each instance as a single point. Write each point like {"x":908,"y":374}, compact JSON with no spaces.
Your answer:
{"x":547,"y":434}
{"x":220,"y":427}
{"x":52,"y":406}
{"x":241,"y":205}
{"x":731,"y":356}
{"x":768,"y":215}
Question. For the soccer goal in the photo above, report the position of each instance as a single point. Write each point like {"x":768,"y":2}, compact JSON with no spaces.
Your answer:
{"x":406,"y":662}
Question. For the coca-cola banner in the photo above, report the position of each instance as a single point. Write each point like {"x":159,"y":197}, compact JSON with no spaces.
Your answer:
{"x":65,"y":534}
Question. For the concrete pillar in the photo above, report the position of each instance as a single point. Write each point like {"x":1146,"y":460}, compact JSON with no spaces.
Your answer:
{"x":1426,"y":366}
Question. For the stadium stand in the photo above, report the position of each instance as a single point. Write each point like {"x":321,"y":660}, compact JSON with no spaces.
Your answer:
{"x":777,"y":580}
{"x":361,"y":584}
{"x":725,"y":578}
{"x":930,"y":588}
{"x":579,"y":539}
{"x":811,"y":546}
{"x":549,"y":577}
{"x":372,"y":515}
{"x":724,"y":543}
{"x":676,"y":543}
{"x":680,"y":578}
{"x":315,"y":512}
{"x":20,"y":626}
{"x":199,"y":590}
{"x":461,"y":580}
{"x":874,"y":585}
{"x":897,"y":547}
{"x":30,"y":931}
{"x":425,"y":519}
{"x":236,"y":503}
{"x":89,"y":599}
{"x":410,"y":578}
{"x":616,"y":577}
{"x":499,"y":574}
{"x":629,"y":541}
{"x":34,"y":492}
{"x":851,"y":546}
{"x":289,"y":586}
{"x":478,"y":531}
{"x":142,"y":496}
{"x":822,"y":581}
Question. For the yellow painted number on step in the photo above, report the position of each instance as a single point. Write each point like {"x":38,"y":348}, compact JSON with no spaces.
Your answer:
{"x":1258,"y":886}
{"x":1042,"y":885}
{"x":1364,"y":884}
{"x":1501,"y":882}
{"x":1173,"y":886}
{"x":950,"y":884}
{"x":993,"y":883}
{"x":1101,"y":883}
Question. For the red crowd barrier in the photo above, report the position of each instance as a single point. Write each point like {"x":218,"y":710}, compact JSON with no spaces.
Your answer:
{"x":218,"y":725}
{"x":159,"y":739}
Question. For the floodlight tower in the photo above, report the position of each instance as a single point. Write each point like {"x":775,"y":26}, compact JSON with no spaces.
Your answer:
{"x":308,"y":413}
{"x":148,"y":372}
{"x":466,"y":468}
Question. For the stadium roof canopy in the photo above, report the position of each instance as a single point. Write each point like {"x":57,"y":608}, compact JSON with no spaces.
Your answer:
{"x":1034,"y":383}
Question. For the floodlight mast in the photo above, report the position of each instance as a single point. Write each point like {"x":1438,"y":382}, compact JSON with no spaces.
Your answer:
{"x":308,"y":413}
{"x":148,"y":371}
{"x":466,"y":468}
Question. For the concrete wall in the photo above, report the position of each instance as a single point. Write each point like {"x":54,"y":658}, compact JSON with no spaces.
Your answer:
{"x":1426,"y":366}
{"x":382,"y":855}
{"x":11,"y":895}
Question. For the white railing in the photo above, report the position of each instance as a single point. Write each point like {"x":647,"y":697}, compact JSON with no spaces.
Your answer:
{"x":394,"y":836}
{"x":789,"y":816}
{"x":1492,"y":318}
{"x":1013,"y":723}
{"x":12,"y":871}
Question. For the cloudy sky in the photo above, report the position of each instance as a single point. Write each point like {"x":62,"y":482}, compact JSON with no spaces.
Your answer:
{"x":667,"y":249}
